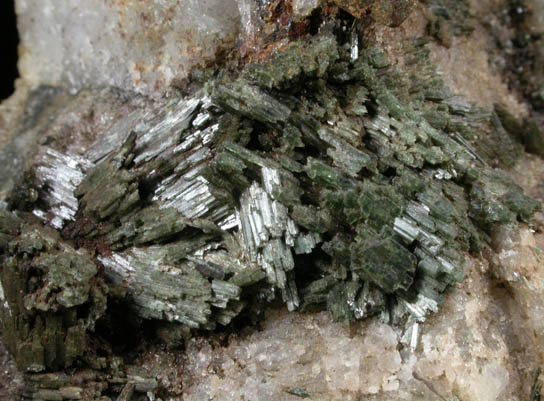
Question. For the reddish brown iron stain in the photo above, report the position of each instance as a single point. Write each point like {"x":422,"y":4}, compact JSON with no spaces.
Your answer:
{"x":299,"y":29}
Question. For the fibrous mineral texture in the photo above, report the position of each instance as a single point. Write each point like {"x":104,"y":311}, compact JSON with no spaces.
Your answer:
{"x":322,"y":175}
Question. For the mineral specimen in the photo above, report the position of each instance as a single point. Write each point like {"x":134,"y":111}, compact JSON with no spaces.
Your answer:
{"x":322,"y":175}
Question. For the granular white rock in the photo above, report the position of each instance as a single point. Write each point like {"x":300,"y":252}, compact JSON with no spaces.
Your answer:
{"x":134,"y":45}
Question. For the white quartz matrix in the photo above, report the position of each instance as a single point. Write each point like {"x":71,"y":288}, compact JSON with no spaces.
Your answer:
{"x":131,"y":44}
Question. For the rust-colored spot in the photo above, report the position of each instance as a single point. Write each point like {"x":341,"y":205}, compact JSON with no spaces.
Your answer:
{"x":385,"y":12}
{"x":298,"y":29}
{"x":357,"y":8}
{"x":102,"y":248}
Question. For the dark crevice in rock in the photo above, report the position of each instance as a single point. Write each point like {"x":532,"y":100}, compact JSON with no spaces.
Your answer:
{"x":8,"y":48}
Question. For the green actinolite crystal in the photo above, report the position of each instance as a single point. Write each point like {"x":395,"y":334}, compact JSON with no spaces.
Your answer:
{"x":322,"y":176}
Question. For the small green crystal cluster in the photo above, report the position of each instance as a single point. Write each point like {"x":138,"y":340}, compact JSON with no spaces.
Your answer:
{"x":387,"y":194}
{"x":51,"y":296}
{"x":449,"y":18}
{"x":323,"y":175}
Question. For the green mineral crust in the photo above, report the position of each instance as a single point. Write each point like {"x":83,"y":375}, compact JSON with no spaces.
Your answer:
{"x":323,"y":177}
{"x":51,"y":296}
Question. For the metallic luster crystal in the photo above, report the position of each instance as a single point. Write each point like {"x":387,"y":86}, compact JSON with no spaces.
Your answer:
{"x":60,"y":174}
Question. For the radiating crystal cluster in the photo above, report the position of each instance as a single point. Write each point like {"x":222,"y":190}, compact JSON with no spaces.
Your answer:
{"x":321,"y":175}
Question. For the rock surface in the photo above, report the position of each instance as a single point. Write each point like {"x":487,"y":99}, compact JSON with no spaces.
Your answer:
{"x":133,"y":45}
{"x":483,"y":344}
